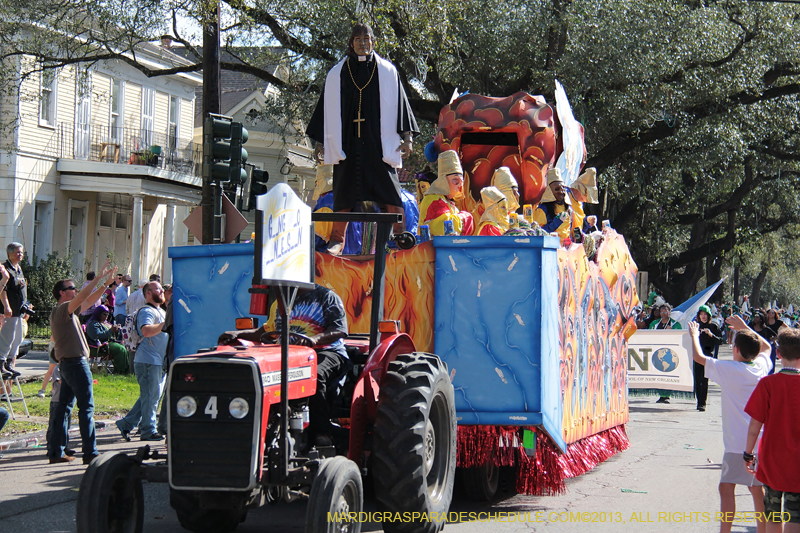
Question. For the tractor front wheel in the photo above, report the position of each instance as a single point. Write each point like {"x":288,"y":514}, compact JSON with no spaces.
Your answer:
{"x":336,"y":493}
{"x":414,"y":452}
{"x":110,"y":498}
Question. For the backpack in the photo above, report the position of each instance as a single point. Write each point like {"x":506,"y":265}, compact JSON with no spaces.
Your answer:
{"x":131,"y":337}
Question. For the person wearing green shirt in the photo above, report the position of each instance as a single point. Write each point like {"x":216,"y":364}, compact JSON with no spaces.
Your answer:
{"x":665,"y":323}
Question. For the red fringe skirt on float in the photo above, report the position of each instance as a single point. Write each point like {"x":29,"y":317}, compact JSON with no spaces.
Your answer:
{"x":544,"y":473}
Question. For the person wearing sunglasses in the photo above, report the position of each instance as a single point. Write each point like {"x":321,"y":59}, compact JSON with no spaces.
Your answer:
{"x":72,"y":353}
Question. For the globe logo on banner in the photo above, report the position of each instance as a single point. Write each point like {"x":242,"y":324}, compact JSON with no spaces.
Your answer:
{"x":665,"y":360}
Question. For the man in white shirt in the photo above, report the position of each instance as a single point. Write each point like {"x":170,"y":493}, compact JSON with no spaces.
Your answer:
{"x":738,"y":379}
{"x":136,"y":300}
{"x":121,"y":299}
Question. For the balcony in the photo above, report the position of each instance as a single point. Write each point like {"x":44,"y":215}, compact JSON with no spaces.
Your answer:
{"x":128,"y":160}
{"x":132,"y":146}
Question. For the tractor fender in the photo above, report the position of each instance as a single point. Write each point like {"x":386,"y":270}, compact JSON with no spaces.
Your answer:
{"x":364,"y":406}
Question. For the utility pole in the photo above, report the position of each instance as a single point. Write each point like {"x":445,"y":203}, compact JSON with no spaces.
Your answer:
{"x":211,"y":201}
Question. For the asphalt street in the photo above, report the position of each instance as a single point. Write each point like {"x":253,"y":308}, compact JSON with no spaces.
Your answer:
{"x":665,"y":482}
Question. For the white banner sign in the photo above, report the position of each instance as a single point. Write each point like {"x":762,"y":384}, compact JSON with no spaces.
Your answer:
{"x":287,"y":234}
{"x":660,"y":359}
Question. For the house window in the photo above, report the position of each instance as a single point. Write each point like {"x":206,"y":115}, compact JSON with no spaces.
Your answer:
{"x":106,"y":217}
{"x":174,"y":121}
{"x":42,"y":227}
{"x":148,"y":112}
{"x":47,"y":98}
{"x":115,"y":122}
{"x":83,"y":115}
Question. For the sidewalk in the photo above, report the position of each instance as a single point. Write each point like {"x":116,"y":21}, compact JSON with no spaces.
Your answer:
{"x":39,"y":439}
{"x":32,"y":367}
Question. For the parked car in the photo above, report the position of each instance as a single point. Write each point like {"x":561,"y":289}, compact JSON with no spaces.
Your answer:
{"x":24,"y":348}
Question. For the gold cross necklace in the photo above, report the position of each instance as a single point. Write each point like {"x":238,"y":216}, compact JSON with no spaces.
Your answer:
{"x":359,"y":120}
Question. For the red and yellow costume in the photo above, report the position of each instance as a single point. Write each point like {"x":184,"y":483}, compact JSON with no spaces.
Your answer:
{"x":437,"y":207}
{"x":494,"y":221}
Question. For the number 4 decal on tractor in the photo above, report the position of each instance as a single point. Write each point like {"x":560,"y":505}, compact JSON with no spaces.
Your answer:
{"x":211,"y":407}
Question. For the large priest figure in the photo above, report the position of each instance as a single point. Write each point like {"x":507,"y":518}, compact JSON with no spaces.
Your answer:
{"x":363,"y":125}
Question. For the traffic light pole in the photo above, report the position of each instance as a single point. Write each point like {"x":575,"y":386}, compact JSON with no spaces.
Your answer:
{"x":211,"y":195}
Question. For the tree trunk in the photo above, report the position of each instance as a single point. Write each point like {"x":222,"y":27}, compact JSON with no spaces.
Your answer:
{"x":736,"y":284}
{"x":755,"y":296}
{"x":677,"y":288}
{"x":713,"y":275}
{"x":680,"y":287}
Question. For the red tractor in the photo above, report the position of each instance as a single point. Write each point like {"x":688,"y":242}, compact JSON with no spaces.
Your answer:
{"x":237,"y":438}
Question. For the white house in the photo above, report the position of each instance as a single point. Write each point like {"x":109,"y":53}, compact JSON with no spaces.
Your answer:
{"x":78,"y":170}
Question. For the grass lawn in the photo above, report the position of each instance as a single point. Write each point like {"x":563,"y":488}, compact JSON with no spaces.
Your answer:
{"x":113,"y":396}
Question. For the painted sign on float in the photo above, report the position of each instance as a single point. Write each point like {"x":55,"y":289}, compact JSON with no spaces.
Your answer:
{"x":287,"y":233}
{"x":660,"y":359}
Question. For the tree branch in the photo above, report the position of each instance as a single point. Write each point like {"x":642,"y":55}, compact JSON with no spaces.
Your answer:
{"x":261,"y":16}
{"x":255,"y":71}
{"x":627,"y":141}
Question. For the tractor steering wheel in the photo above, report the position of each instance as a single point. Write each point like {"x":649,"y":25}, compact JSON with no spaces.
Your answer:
{"x":274,"y":337}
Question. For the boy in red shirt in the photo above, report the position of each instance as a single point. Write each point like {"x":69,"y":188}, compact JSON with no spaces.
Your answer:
{"x":774,"y":405}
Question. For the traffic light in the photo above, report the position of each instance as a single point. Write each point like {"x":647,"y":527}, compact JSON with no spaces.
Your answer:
{"x":223,"y":152}
{"x":258,"y":186}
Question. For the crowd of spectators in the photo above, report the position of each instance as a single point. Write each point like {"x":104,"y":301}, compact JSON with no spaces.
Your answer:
{"x":753,"y":397}
{"x":80,"y":337}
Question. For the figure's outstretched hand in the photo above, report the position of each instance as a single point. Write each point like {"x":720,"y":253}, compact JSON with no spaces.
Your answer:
{"x":694,"y":329}
{"x":405,"y":149}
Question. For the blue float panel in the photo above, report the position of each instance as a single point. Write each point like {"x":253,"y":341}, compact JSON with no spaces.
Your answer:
{"x":496,"y":326}
{"x":211,"y":286}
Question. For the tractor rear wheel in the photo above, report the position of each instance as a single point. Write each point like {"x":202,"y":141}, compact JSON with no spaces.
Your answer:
{"x":414,"y":452}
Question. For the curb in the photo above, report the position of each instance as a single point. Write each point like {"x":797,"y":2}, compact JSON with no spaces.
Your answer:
{"x":39,"y":439}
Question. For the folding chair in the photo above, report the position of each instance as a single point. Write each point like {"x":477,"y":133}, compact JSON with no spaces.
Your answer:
{"x":99,"y":356}
{"x":8,"y":376}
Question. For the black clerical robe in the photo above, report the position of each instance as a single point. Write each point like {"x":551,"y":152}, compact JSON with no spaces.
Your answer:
{"x":363,"y":175}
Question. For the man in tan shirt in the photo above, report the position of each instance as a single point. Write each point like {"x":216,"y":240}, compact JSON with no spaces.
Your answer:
{"x":72,"y":353}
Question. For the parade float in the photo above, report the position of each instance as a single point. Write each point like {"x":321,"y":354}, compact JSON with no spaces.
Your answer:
{"x":533,"y":332}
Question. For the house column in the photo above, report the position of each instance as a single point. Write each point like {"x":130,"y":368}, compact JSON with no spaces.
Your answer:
{"x":169,"y":240}
{"x":136,"y":238}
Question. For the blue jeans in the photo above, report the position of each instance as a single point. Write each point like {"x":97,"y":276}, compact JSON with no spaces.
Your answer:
{"x":151,"y":379}
{"x":76,"y":384}
{"x":3,"y":418}
{"x":133,"y":418}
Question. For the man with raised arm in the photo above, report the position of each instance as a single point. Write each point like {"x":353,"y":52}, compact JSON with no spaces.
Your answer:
{"x":72,"y":352}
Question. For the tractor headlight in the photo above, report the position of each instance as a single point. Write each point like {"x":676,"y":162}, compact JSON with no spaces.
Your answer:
{"x":239,"y":408}
{"x":187,"y":406}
